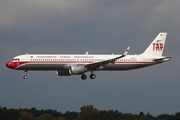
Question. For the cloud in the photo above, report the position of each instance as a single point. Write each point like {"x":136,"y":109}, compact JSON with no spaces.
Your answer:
{"x":143,"y":14}
{"x":33,"y":13}
{"x":164,"y":14}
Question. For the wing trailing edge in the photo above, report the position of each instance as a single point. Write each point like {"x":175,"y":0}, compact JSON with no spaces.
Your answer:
{"x":96,"y":65}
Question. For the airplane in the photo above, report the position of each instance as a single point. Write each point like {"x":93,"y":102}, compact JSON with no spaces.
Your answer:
{"x":79,"y":64}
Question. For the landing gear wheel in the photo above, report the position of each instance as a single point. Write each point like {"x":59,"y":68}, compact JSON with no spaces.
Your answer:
{"x":25,"y":77}
{"x":92,"y":76}
{"x":83,"y":77}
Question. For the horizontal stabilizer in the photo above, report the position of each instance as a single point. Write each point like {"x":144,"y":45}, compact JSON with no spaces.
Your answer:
{"x":162,"y":59}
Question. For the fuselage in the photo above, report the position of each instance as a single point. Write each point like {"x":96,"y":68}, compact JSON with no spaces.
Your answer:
{"x":60,"y":61}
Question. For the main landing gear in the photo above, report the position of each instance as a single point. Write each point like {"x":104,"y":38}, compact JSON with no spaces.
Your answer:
{"x":84,"y":77}
{"x":25,"y":76}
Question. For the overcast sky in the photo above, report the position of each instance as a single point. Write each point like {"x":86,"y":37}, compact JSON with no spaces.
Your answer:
{"x":97,"y":26}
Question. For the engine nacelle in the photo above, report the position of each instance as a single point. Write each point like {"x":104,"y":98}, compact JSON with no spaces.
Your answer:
{"x":77,"y":69}
{"x":63,"y":72}
{"x":73,"y":69}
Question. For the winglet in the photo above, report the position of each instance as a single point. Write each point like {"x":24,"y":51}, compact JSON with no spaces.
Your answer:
{"x":126,"y":51}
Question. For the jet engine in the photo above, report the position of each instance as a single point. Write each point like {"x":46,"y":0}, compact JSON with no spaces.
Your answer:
{"x":73,"y":69}
{"x":77,"y":69}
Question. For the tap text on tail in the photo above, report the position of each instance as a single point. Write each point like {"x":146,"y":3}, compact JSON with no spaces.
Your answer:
{"x":79,"y":64}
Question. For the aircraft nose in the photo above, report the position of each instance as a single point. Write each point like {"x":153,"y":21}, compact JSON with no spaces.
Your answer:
{"x":9,"y":65}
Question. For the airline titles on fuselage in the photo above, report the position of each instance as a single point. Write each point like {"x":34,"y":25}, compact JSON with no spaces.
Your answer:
{"x":63,"y":56}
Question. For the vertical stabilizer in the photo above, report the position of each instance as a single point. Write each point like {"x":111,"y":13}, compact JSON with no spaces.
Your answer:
{"x":157,"y":46}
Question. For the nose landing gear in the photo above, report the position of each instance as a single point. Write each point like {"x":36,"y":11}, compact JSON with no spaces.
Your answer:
{"x":25,"y":76}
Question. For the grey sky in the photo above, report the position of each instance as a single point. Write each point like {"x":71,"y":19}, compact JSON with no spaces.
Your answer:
{"x":97,"y":26}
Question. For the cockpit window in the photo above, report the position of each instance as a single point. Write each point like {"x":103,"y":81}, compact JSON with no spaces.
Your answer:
{"x":16,"y":59}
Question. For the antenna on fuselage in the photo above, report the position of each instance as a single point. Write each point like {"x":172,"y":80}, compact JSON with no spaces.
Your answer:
{"x":87,"y":53}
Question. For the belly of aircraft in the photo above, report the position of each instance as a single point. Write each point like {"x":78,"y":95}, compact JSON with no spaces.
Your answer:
{"x":124,"y":66}
{"x":62,"y":66}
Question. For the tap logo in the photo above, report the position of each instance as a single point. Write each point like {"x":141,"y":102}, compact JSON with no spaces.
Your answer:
{"x":158,"y":41}
{"x":158,"y":46}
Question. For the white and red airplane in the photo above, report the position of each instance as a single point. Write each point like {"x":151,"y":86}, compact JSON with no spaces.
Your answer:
{"x":79,"y":64}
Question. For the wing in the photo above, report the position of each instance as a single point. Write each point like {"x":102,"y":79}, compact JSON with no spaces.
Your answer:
{"x":96,"y":65}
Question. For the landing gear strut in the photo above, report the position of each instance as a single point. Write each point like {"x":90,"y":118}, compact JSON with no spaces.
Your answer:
{"x":25,"y":76}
